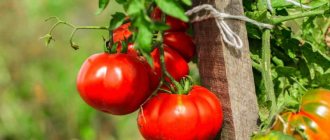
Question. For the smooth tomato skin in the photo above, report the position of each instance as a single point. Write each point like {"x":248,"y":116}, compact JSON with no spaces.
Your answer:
{"x":154,"y":77}
{"x":313,"y":116}
{"x":122,"y":33}
{"x":114,"y":83}
{"x":182,"y":43}
{"x":302,"y":121}
{"x":195,"y":116}
{"x":174,"y":23}
{"x":175,"y":64}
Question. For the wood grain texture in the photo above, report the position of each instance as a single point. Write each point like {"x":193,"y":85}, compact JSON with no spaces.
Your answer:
{"x":227,"y":71}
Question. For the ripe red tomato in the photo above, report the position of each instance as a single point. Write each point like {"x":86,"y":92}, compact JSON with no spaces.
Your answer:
{"x":154,"y":78}
{"x":195,"y":116}
{"x":175,"y":64}
{"x":122,"y":33}
{"x":313,"y":117}
{"x":174,"y":23}
{"x":114,"y":83}
{"x":182,"y":43}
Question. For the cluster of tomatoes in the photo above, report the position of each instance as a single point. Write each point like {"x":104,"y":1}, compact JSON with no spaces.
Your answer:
{"x":122,"y":82}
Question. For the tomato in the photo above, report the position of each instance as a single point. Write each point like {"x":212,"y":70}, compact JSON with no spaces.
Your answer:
{"x":122,"y":33}
{"x":174,"y":23}
{"x":175,"y":64}
{"x":154,"y":77}
{"x":181,"y":42}
{"x":313,"y":117}
{"x":194,"y":116}
{"x":113,"y":83}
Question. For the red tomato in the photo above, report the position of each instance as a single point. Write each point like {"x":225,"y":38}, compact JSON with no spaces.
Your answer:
{"x":154,"y":78}
{"x":195,"y":116}
{"x":122,"y":33}
{"x":182,"y":43}
{"x":313,"y":117}
{"x":175,"y":64}
{"x":114,"y":83}
{"x":174,"y":23}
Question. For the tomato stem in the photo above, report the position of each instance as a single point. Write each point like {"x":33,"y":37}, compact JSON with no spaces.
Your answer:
{"x":280,"y":19}
{"x":75,"y":29}
{"x":165,"y":72}
{"x":267,"y":76}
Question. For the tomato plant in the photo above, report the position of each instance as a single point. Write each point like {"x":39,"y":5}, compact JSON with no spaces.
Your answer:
{"x":195,"y":115}
{"x":288,"y":59}
{"x":114,"y":83}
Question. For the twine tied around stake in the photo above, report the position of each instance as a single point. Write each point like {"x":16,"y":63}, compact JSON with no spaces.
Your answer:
{"x":228,"y":35}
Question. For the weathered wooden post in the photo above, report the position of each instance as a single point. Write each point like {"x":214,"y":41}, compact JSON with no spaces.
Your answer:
{"x":228,"y":71}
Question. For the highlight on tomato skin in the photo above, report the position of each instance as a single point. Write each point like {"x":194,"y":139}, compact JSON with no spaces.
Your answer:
{"x":195,"y":116}
{"x":109,"y":83}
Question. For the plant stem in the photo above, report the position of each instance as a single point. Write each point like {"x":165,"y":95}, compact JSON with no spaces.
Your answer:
{"x":160,"y":36}
{"x":165,"y":72}
{"x":267,"y":75}
{"x":280,"y":19}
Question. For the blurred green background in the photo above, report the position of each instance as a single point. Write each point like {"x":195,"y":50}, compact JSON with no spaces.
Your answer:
{"x":38,"y":97}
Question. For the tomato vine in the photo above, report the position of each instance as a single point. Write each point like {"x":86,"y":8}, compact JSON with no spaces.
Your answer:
{"x":292,"y":59}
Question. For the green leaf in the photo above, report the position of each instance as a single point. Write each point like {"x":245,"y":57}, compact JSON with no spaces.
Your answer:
{"x":144,"y":38}
{"x":172,"y":8}
{"x":121,"y":1}
{"x":102,"y":5}
{"x":135,"y":7}
{"x":187,"y":2}
{"x":159,"y":26}
{"x":285,"y":71}
{"x":273,"y":135}
{"x":117,"y":20}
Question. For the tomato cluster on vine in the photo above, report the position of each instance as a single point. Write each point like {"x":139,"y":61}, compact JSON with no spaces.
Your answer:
{"x":121,"y":80}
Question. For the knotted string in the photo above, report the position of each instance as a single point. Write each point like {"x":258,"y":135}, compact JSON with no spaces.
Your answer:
{"x":229,"y":36}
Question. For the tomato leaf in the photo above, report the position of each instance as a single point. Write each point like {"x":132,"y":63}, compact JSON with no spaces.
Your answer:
{"x":144,"y":38}
{"x":273,"y":135}
{"x":187,"y":2}
{"x":102,"y":5}
{"x":135,"y":7}
{"x":159,"y":26}
{"x":172,"y":8}
{"x":121,"y":1}
{"x":117,"y":20}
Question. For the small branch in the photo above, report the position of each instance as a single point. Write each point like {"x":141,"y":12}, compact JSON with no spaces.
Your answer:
{"x":280,"y":19}
{"x":285,"y":125}
{"x":75,"y":29}
{"x":165,"y":72}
